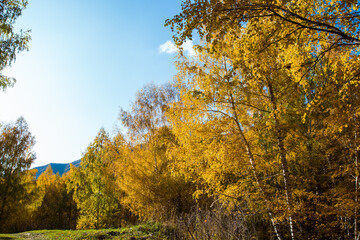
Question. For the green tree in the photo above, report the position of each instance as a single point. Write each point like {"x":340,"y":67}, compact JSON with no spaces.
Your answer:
{"x":94,"y":191}
{"x":11,"y":43}
{"x":16,"y":157}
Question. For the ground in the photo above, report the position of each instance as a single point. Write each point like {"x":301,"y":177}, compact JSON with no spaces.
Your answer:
{"x":144,"y":231}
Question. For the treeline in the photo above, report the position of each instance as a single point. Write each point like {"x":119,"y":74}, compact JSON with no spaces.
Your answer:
{"x":257,"y":137}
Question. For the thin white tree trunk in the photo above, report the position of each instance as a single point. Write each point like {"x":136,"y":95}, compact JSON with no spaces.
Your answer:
{"x":356,"y":180}
{"x":284,"y":163}
{"x":252,"y":163}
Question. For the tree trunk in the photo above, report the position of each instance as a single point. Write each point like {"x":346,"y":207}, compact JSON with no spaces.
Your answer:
{"x":283,"y":160}
{"x":252,"y":163}
{"x":356,"y":180}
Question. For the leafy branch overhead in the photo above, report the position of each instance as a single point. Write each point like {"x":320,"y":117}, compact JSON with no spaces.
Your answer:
{"x":11,"y":42}
{"x":333,"y":22}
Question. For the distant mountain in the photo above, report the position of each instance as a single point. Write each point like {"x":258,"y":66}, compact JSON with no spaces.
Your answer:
{"x":60,"y":168}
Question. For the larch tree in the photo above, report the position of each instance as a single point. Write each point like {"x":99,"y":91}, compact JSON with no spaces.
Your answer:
{"x":144,"y":167}
{"x":57,"y":209}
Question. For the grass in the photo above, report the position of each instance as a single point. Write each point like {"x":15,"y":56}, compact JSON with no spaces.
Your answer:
{"x":144,"y":231}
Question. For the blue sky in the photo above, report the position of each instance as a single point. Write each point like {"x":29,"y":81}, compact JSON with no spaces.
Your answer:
{"x":87,"y":59}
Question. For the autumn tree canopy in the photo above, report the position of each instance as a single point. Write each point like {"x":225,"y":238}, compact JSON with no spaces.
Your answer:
{"x":256,"y":138}
{"x":16,"y":157}
{"x":269,"y":78}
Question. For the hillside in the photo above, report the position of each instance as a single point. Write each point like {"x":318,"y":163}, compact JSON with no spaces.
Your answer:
{"x":60,"y":168}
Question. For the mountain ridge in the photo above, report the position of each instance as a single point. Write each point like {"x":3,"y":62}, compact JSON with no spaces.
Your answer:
{"x":59,"y":168}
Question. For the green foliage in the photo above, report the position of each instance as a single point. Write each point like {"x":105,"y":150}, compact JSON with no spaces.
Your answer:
{"x":11,"y":43}
{"x":94,"y":189}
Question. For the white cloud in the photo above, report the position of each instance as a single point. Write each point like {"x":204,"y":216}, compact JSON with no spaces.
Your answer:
{"x":189,"y":48}
{"x":169,"y":47}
